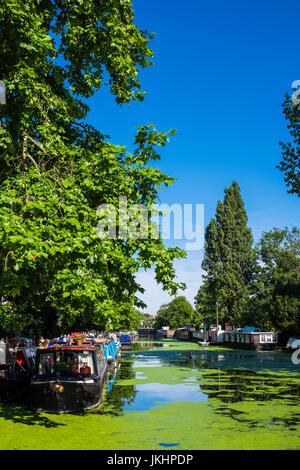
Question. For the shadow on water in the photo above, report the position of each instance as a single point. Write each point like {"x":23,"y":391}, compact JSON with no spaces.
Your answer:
{"x":24,"y":415}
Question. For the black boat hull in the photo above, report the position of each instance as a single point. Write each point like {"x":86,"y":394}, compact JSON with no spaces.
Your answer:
{"x":66,"y":396}
{"x":14,"y":387}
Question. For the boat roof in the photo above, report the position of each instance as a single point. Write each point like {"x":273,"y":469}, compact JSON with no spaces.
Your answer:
{"x":58,"y":347}
{"x":250,"y":332}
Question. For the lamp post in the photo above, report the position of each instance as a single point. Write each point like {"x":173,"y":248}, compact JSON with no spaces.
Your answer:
{"x":217,"y":306}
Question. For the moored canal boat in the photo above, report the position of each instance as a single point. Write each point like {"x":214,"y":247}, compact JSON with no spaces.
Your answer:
{"x":125,"y":341}
{"x":17,"y":362}
{"x":111,"y":349}
{"x":251,"y":338}
{"x":293,"y":343}
{"x":68,"y":378}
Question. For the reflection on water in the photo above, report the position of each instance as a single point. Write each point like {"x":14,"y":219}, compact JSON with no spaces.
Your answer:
{"x":118,"y":398}
{"x":237,"y":385}
{"x":222,"y":358}
{"x":142,"y":346}
{"x":153,"y":394}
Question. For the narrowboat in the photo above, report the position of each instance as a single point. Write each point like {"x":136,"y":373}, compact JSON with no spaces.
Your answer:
{"x":111,"y":351}
{"x":17,"y":362}
{"x":251,"y":338}
{"x":125,"y":341}
{"x":68,"y":378}
{"x":185,"y":333}
{"x":293,"y":343}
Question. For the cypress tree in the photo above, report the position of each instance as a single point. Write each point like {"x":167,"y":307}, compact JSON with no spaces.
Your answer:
{"x":229,"y":259}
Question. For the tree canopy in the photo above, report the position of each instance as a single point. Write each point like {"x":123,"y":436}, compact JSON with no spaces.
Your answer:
{"x":56,"y":169}
{"x":228,"y":260}
{"x":279,"y":279}
{"x":290,"y":151}
{"x":176,"y":314}
{"x":257,"y":285}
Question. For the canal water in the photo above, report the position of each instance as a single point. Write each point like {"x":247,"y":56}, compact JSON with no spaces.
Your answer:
{"x":176,"y":395}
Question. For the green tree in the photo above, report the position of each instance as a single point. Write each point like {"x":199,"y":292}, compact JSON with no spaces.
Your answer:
{"x":56,"y":169}
{"x":205,"y":305}
{"x":290,"y":151}
{"x":162,"y":318}
{"x":279,"y":280}
{"x":134,"y":319}
{"x":229,"y":260}
{"x":176,"y":314}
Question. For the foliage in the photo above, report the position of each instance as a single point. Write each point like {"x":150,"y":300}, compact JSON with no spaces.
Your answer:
{"x":290,"y":163}
{"x":229,"y":261}
{"x":254,"y":286}
{"x":205,"y":305}
{"x":279,"y":279}
{"x":56,"y":169}
{"x":130,"y":318}
{"x":176,"y":314}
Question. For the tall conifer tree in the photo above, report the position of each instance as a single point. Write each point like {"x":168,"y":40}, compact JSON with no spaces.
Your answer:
{"x":228,"y":260}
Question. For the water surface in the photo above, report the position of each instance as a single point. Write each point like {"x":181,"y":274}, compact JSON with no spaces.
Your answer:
{"x":172,"y":394}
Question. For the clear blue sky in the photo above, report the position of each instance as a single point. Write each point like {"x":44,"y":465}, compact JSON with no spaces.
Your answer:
{"x":221,"y":70}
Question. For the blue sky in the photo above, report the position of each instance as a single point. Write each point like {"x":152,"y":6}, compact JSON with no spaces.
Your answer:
{"x":221,"y":70}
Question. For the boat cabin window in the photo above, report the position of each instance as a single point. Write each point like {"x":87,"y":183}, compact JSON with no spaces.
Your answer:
{"x":85,"y":360}
{"x":46,"y":363}
{"x":66,"y":362}
{"x":266,"y":338}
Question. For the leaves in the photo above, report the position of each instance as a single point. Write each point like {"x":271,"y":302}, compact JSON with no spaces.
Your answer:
{"x":290,"y":163}
{"x":56,"y":169}
{"x":176,"y":314}
{"x":279,"y":277}
{"x":229,"y":261}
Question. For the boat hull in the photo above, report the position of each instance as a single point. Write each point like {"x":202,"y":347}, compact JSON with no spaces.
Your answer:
{"x":14,"y":387}
{"x":66,"y":396}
